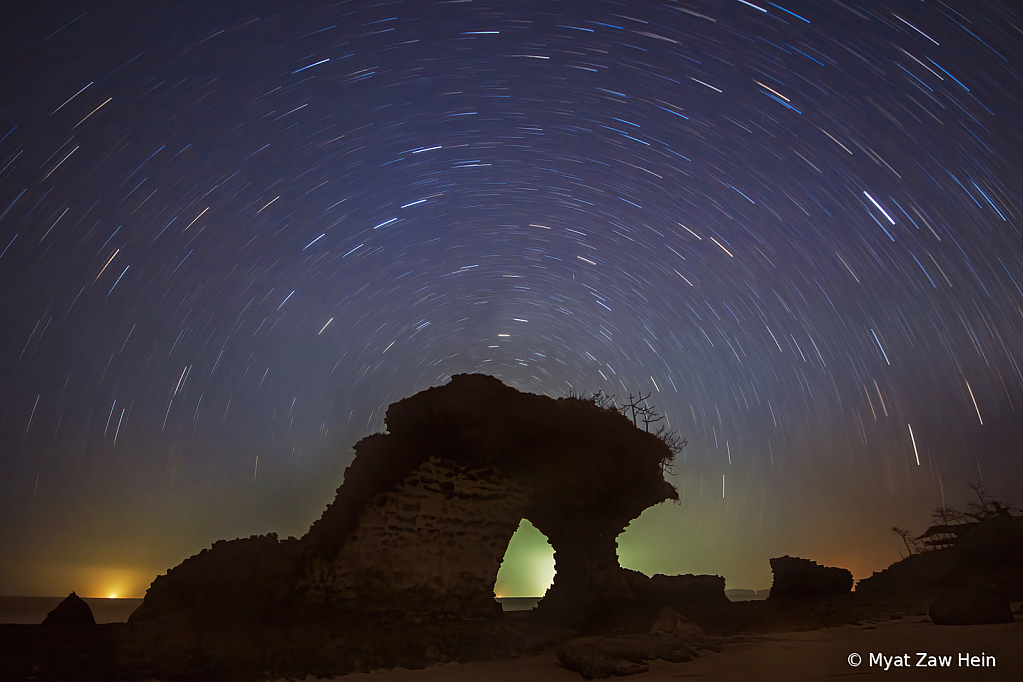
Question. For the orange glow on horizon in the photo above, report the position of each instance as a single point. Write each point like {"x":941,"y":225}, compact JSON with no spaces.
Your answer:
{"x":95,"y":582}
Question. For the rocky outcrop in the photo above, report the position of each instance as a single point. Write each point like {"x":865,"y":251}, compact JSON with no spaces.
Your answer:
{"x":426,"y":511}
{"x":973,"y":605}
{"x":238,"y":580}
{"x":801,"y":578}
{"x":73,"y":612}
{"x":990,"y":554}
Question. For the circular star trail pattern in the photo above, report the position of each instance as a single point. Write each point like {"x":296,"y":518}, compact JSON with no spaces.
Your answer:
{"x":232,"y":233}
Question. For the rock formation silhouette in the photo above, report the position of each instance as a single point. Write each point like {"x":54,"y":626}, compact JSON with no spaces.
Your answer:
{"x":73,"y":612}
{"x":677,"y":591}
{"x":802,"y":578}
{"x":426,"y":511}
{"x":990,"y":553}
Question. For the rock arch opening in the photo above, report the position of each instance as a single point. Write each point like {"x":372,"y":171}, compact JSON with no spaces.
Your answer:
{"x":528,"y":566}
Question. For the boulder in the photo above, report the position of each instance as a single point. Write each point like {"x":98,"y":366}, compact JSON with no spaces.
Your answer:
{"x":973,"y":605}
{"x":802,"y":578}
{"x":73,"y":612}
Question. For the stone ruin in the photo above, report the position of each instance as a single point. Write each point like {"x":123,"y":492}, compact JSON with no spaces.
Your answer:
{"x":426,"y":511}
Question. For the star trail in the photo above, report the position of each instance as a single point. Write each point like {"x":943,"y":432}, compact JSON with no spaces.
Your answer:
{"x":232,"y":233}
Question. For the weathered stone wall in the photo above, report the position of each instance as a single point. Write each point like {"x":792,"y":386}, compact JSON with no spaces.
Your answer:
{"x":432,"y":544}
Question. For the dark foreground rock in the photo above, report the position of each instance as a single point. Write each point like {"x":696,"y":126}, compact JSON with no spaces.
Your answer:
{"x":796,"y":578}
{"x":173,"y":648}
{"x":35,"y":652}
{"x":73,"y":612}
{"x":331,"y":649}
{"x":973,"y":605}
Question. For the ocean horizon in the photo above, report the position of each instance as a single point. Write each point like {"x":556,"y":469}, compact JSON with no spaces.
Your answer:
{"x":32,"y":610}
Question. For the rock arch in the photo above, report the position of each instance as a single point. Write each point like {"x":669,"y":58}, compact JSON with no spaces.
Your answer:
{"x":426,"y":511}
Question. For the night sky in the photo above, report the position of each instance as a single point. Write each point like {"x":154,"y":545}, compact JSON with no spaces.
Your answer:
{"x":232,"y":233}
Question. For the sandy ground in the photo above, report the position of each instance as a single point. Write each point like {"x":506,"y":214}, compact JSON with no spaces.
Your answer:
{"x":790,"y":657}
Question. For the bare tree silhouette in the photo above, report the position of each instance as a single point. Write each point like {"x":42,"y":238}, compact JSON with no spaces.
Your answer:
{"x":988,"y":507}
{"x":638,"y":410}
{"x":948,"y":515}
{"x":912,"y":543}
{"x":983,"y":507}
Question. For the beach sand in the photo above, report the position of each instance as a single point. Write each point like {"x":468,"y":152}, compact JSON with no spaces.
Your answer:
{"x":788,"y":656}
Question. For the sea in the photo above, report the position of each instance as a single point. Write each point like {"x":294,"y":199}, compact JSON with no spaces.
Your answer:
{"x":32,"y":610}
